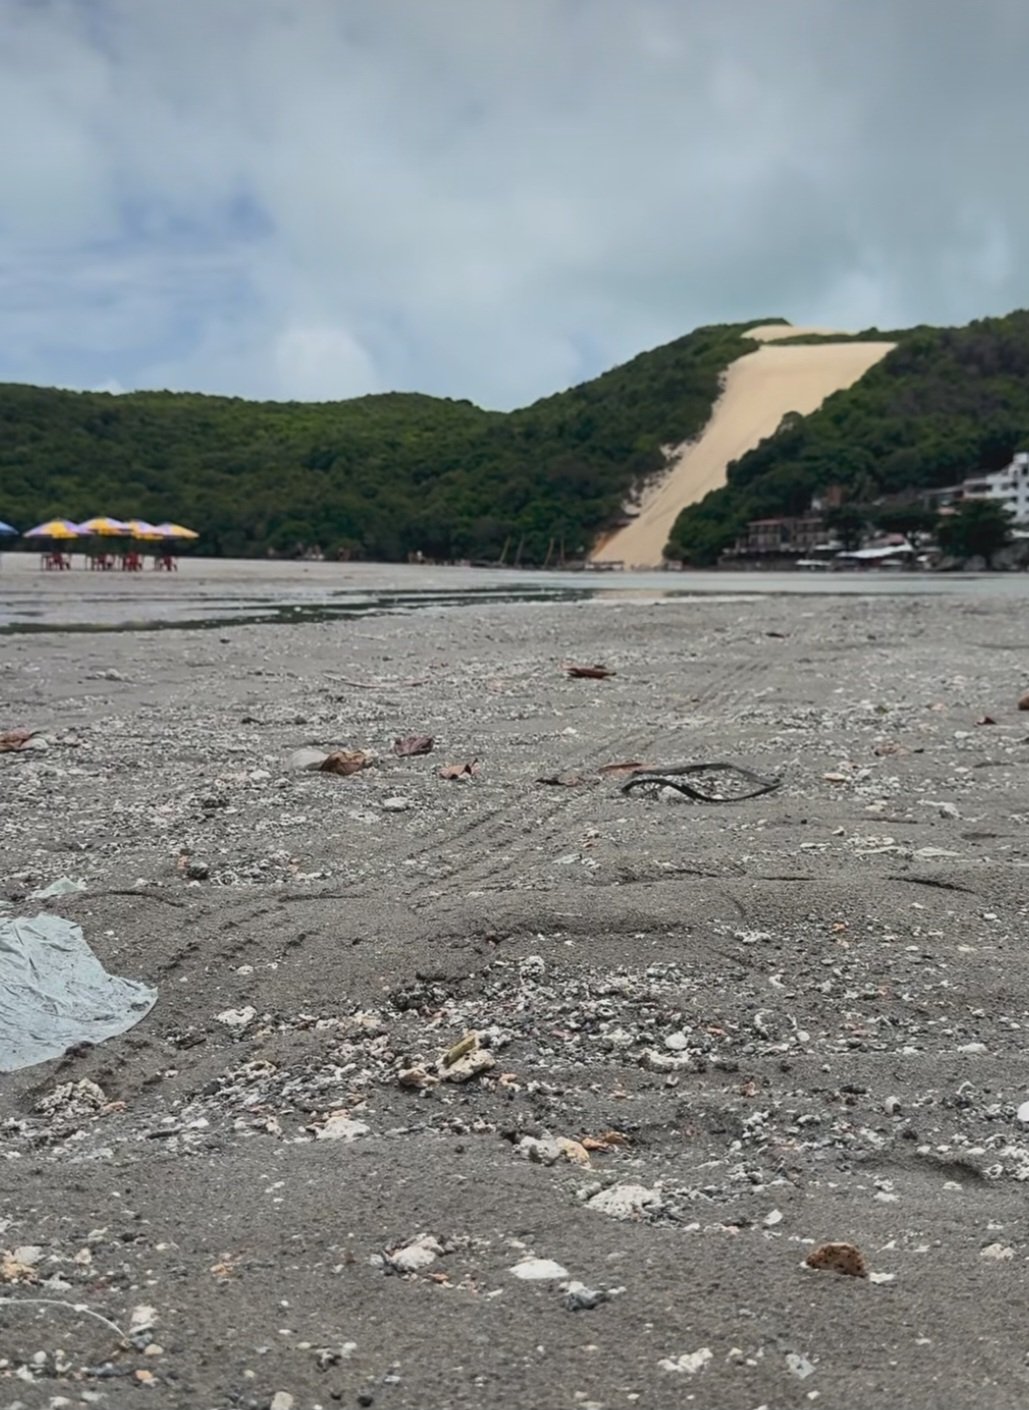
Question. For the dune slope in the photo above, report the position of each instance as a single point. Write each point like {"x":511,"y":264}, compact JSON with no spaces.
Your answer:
{"x":760,"y":389}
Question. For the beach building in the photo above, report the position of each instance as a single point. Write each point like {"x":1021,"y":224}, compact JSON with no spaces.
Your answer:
{"x":1009,"y":487}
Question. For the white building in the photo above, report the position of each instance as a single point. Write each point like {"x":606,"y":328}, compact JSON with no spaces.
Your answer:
{"x":1009,"y":487}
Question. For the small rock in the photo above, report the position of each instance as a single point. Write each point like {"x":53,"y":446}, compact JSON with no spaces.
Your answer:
{"x":580,"y":1298}
{"x":1023,"y":1113}
{"x":538,"y":1269}
{"x":471,"y":1064}
{"x":281,"y":1400}
{"x":237,"y":1018}
{"x":772,"y":1218}
{"x":308,"y":760}
{"x":397,"y":805}
{"x":1000,"y":1253}
{"x":799,"y":1365}
{"x":677,"y":1042}
{"x":339,"y":1127}
{"x":972,"y":1048}
{"x":891,"y":1106}
{"x":627,"y":1201}
{"x":418,"y":1254}
{"x":198,"y":871}
{"x":1023,"y":704}
{"x":689,"y":1363}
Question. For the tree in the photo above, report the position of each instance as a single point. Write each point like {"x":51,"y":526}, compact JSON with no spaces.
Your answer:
{"x":979,"y":529}
{"x":847,"y":522}
{"x":905,"y":519}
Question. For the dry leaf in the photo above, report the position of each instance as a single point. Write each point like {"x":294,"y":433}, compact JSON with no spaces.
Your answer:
{"x":14,"y":739}
{"x":597,"y":673}
{"x":608,"y":1141}
{"x":469,"y":770}
{"x":573,"y":1151}
{"x":629,"y":767}
{"x":413,"y":744}
{"x":345,"y":762}
{"x":226,"y":1268}
{"x":838,"y":1258}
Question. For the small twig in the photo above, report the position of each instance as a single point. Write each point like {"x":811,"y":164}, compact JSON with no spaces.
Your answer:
{"x":934,"y":881}
{"x":378,"y":685}
{"x":150,"y":895}
{"x":68,"y":1306}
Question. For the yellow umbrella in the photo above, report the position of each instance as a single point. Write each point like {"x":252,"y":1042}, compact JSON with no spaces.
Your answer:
{"x":174,"y":531}
{"x":104,"y":525}
{"x":140,"y":529}
{"x":54,"y":529}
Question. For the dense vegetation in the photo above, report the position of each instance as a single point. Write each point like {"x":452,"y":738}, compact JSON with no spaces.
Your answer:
{"x":945,"y":403}
{"x":381,"y":476}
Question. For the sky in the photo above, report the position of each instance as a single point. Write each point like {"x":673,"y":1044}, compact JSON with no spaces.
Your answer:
{"x":491,"y":199}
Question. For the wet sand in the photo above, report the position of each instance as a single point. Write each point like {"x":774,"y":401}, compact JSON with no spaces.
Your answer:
{"x":804,"y":1014}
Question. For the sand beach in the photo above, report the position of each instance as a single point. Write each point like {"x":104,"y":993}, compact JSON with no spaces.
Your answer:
{"x":709,"y":1037}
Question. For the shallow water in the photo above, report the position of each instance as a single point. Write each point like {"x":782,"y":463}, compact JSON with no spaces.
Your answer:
{"x":212,"y":593}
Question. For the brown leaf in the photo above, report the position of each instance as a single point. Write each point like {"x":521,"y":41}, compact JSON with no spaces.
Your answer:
{"x":608,"y":1141}
{"x":469,"y":770}
{"x":594,"y":673}
{"x":630,"y":767}
{"x":838,"y":1258}
{"x":345,"y":762}
{"x":413,"y":744}
{"x":12,"y":1270}
{"x":14,"y":739}
{"x":573,"y":1151}
{"x":562,"y":780}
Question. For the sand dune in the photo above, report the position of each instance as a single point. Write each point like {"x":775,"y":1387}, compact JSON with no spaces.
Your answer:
{"x":760,"y":388}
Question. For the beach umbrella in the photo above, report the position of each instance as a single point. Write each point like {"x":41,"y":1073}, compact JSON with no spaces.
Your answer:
{"x":55,"y":529}
{"x":104,"y":525}
{"x":174,"y":531}
{"x":7,"y":528}
{"x":140,"y":529}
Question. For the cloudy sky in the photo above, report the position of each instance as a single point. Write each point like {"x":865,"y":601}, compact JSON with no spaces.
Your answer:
{"x":490,"y":198}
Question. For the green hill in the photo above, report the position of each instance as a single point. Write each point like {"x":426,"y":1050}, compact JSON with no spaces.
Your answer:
{"x":944,"y":403}
{"x":382,"y":476}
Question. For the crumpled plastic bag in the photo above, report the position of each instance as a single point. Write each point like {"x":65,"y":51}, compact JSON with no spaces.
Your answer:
{"x":55,"y":993}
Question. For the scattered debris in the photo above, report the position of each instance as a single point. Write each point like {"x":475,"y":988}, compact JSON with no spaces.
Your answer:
{"x":838,"y":1258}
{"x":14,"y":740}
{"x":986,"y":720}
{"x":63,"y":886}
{"x":469,"y":770}
{"x":593,"y":673}
{"x":607,"y":1141}
{"x":689,"y":1363}
{"x":55,"y":993}
{"x":998,"y":1253}
{"x":345,"y":762}
{"x":237,"y":1018}
{"x":799,"y":1365}
{"x":628,"y":767}
{"x":413,"y":744}
{"x":671,"y":775}
{"x":562,"y":780}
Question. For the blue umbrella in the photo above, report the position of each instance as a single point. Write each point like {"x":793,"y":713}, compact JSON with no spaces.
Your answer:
{"x":6,"y":528}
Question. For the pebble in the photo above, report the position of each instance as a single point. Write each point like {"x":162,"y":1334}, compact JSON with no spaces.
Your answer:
{"x":281,"y":1400}
{"x":1023,"y":1113}
{"x":341,"y":1128}
{"x":538,"y":1269}
{"x":689,"y":1363}
{"x":397,"y":805}
{"x":626,"y":1201}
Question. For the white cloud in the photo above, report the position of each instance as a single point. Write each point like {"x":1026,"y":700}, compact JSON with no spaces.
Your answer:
{"x":267,"y":198}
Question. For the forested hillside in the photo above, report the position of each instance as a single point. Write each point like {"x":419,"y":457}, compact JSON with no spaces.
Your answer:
{"x":944,"y":403}
{"x":381,"y":476}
